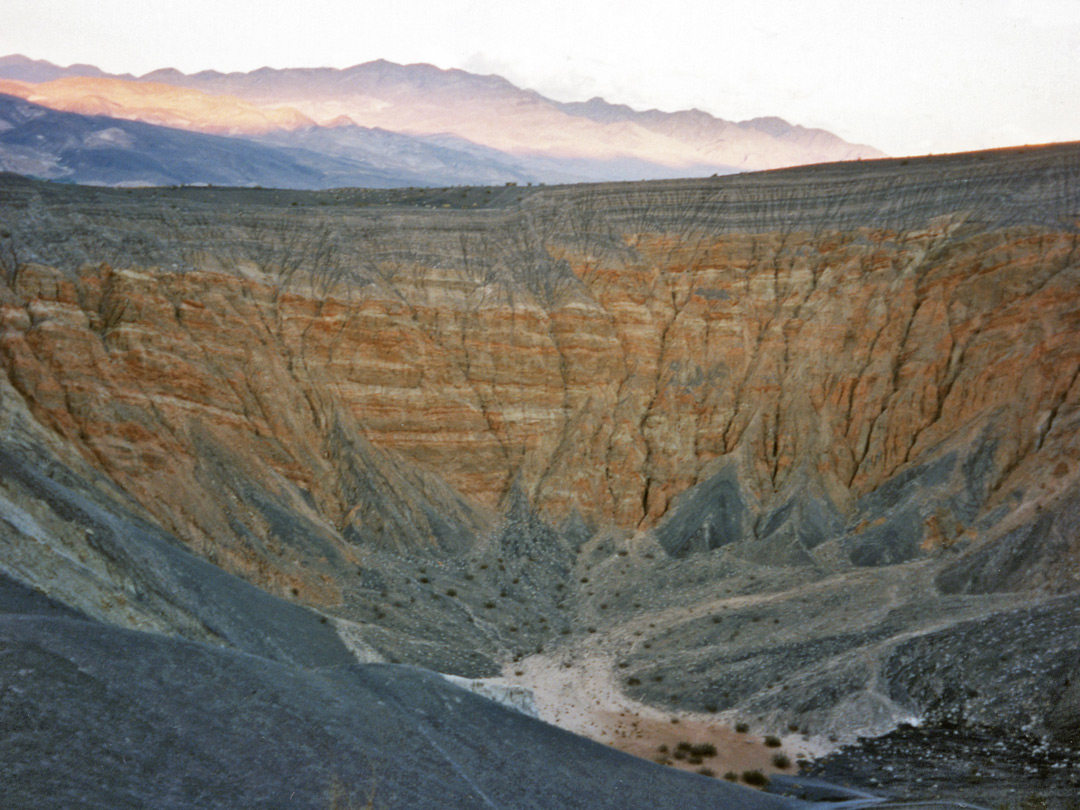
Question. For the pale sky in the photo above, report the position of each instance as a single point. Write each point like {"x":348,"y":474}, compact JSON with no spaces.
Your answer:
{"x":906,"y":76}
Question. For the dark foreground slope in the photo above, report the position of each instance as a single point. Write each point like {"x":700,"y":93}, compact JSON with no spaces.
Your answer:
{"x":94,"y":716}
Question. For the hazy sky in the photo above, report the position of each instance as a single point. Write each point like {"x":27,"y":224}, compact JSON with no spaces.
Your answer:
{"x":907,"y":76}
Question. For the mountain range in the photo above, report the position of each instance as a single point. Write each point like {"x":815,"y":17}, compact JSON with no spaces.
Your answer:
{"x":377,"y":124}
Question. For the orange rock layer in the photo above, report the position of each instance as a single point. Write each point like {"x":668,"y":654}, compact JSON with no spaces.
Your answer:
{"x":844,"y":355}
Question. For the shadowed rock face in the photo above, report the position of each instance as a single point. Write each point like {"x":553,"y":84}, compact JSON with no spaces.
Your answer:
{"x":781,"y":438}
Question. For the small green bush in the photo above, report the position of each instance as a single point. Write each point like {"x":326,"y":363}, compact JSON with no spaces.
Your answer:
{"x":742,"y":728}
{"x":772,"y":741}
{"x":755,"y":778}
{"x":731,"y":776}
{"x":705,"y":749}
{"x":781,"y":761}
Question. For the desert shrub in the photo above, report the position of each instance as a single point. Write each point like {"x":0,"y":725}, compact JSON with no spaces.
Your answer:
{"x":781,"y":761}
{"x":731,"y":776}
{"x":772,"y":741}
{"x":451,"y":592}
{"x":705,"y":749}
{"x":742,"y":728}
{"x":755,"y":778}
{"x":706,"y":771}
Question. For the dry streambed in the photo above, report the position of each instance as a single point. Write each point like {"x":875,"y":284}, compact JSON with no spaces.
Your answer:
{"x":581,"y":695}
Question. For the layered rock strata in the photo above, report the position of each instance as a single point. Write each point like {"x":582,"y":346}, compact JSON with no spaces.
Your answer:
{"x":863,"y":375}
{"x":604,"y":350}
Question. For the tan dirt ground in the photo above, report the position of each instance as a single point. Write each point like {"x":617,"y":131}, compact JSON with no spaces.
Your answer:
{"x":580,"y":695}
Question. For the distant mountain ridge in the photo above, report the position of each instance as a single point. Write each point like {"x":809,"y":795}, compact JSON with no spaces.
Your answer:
{"x":97,"y":150}
{"x":160,"y":104}
{"x":22,"y":68}
{"x":500,"y":132}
